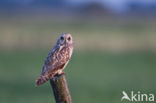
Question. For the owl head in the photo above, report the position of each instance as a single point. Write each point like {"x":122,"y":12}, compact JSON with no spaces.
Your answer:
{"x":65,"y":39}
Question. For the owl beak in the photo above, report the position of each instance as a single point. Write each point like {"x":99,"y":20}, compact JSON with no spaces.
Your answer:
{"x":66,"y":43}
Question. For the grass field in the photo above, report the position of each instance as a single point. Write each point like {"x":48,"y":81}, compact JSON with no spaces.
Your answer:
{"x":93,"y":77}
{"x":113,"y":34}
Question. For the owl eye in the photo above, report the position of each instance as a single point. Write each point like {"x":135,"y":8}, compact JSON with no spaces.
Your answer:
{"x":69,"y":38}
{"x":62,"y":38}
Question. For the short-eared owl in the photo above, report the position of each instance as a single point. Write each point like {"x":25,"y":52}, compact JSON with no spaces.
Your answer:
{"x":57,"y":59}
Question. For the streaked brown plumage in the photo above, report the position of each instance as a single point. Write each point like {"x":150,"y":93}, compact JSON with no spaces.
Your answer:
{"x":57,"y":59}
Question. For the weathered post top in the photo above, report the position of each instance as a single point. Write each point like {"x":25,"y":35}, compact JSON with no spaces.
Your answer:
{"x":60,"y":89}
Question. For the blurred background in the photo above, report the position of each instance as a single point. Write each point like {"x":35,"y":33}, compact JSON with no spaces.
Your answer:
{"x":114,"y":40}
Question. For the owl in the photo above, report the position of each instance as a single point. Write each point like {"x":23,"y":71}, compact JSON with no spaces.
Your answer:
{"x":57,"y":58}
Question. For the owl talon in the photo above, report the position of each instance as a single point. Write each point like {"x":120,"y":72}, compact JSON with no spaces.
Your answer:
{"x":59,"y":74}
{"x":62,"y":73}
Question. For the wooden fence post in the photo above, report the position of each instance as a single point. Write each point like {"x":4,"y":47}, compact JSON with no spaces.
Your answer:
{"x":60,"y":89}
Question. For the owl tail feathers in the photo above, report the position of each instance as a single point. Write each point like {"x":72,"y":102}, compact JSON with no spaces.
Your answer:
{"x":41,"y":80}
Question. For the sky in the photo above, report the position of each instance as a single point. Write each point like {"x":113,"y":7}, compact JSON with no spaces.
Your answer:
{"x":114,"y":5}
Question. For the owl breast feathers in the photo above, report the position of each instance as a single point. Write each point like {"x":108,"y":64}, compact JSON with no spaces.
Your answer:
{"x":57,"y":59}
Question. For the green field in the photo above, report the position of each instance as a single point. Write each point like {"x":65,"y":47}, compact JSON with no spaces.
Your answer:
{"x":93,"y":77}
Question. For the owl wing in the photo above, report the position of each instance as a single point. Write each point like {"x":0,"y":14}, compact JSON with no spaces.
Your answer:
{"x":56,"y":60}
{"x":50,"y":62}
